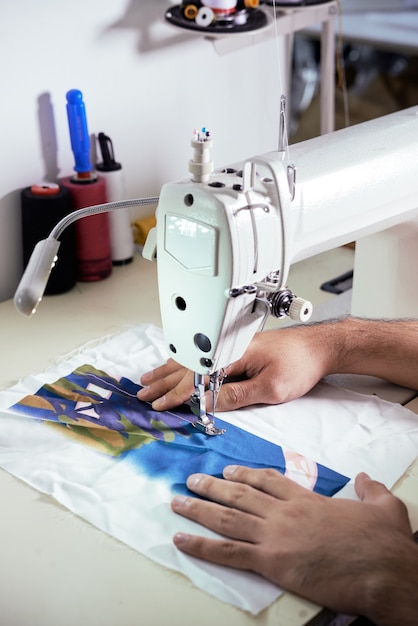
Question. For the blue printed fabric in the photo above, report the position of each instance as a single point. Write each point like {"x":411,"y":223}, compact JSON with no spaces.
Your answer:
{"x":103,"y":412}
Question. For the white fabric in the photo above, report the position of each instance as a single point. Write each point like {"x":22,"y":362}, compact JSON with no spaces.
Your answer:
{"x":345,"y":431}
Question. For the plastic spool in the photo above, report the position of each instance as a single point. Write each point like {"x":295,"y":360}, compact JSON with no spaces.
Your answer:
{"x":142,"y":227}
{"x":93,"y":253}
{"x":205,"y":17}
{"x":42,"y":206}
{"x":121,"y":236}
{"x":201,"y":166}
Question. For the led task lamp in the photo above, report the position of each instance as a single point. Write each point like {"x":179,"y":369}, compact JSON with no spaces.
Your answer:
{"x":32,"y":285}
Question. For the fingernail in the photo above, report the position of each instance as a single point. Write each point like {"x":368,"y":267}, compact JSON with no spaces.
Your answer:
{"x":158,"y":403}
{"x":180,"y":539}
{"x":178,"y":502}
{"x":194,"y":479}
{"x":229,"y":470}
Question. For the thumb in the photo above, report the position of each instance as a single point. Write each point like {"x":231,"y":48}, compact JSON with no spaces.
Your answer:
{"x":375,"y":493}
{"x":238,"y":394}
{"x":370,"y":491}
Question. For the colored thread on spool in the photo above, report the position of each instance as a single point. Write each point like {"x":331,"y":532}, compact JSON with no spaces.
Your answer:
{"x":42,"y":206}
{"x":141,"y":228}
{"x":93,"y":254}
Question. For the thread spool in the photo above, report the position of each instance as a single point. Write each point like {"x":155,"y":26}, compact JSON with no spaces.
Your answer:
{"x":121,"y":237}
{"x":93,"y":255}
{"x":42,"y":207}
{"x":142,"y":227}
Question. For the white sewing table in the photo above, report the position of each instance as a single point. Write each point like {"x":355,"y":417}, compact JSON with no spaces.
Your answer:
{"x":56,"y":569}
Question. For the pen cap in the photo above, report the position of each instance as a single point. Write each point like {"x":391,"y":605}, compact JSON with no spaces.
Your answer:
{"x":106,"y":148}
{"x":42,"y":206}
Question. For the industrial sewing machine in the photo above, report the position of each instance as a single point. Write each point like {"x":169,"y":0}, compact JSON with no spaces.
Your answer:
{"x":224,"y":240}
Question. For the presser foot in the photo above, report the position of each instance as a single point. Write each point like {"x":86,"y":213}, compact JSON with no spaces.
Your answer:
{"x":198,"y":403}
{"x":208,"y":428}
{"x":204,"y":423}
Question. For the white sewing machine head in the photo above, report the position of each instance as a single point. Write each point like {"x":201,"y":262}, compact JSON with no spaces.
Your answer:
{"x":221,"y":241}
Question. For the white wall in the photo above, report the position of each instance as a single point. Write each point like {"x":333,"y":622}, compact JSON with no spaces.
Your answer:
{"x":145,"y":83}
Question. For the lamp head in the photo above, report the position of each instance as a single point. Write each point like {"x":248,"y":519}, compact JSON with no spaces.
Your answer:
{"x":33,"y":282}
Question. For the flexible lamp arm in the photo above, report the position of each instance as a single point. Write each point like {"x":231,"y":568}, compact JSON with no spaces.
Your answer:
{"x":32,"y":285}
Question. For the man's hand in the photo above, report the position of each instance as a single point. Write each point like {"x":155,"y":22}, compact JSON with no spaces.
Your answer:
{"x":284,"y":364}
{"x":354,"y":557}
{"x":278,"y":366}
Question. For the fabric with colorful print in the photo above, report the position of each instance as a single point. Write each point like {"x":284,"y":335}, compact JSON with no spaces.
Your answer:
{"x":104,"y":413}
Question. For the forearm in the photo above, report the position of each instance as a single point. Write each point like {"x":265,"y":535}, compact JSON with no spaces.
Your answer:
{"x":283,"y":364}
{"x":388,"y":349}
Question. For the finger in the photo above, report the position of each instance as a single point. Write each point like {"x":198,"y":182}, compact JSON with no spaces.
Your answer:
{"x":369,"y":490}
{"x":159,"y":386}
{"x":375,"y":493}
{"x":236,"y":554}
{"x":234,"y":495}
{"x":221,"y":519}
{"x":160,"y":372}
{"x":239,"y":394}
{"x":168,"y":392}
{"x":268,"y":481}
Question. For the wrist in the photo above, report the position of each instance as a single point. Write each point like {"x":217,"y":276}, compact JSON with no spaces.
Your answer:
{"x":349,"y":347}
{"x":391,"y":590}
{"x":332,"y":343}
